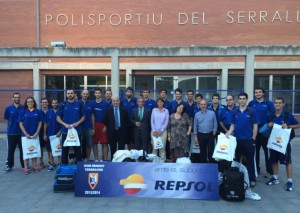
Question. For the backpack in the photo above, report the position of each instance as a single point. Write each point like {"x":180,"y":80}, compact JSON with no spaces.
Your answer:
{"x":233,"y":187}
{"x":285,"y":118}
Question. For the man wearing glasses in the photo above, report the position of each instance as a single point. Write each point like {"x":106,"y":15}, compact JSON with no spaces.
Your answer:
{"x":226,"y":113}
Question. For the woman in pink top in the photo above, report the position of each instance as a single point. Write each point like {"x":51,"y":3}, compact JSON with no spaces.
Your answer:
{"x":159,"y":123}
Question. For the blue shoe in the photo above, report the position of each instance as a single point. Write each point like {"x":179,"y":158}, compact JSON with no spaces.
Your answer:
{"x":272,"y":181}
{"x":289,"y":186}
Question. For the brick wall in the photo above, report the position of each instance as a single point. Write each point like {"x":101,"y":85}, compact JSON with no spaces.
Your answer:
{"x":15,"y":81}
{"x":225,"y":22}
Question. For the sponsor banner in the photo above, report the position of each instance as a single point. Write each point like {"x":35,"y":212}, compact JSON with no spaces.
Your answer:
{"x":153,"y":180}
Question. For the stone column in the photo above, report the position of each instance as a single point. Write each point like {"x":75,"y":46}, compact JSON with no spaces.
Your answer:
{"x":249,"y":75}
{"x":115,"y":75}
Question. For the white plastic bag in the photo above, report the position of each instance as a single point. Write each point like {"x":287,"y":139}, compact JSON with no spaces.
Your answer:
{"x":72,"y":138}
{"x":225,"y":148}
{"x":157,"y":142}
{"x":55,"y":145}
{"x":279,"y":138}
{"x":31,"y":148}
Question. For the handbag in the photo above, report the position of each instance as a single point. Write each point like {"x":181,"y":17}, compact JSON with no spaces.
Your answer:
{"x":72,"y":138}
{"x":279,"y":138}
{"x":55,"y":145}
{"x":225,"y":148}
{"x":157,"y":142}
{"x":31,"y":148}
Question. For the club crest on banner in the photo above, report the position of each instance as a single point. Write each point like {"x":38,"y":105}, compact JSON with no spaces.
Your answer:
{"x":93,"y":180}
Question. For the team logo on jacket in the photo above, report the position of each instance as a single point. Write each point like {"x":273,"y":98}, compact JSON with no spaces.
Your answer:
{"x":93,"y":180}
{"x":133,"y":183}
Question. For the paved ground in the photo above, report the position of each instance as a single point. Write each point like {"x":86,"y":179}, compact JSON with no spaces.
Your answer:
{"x":34,"y":193}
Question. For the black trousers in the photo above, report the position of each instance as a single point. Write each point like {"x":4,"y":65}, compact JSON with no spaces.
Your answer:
{"x":13,"y":141}
{"x":65,"y":151}
{"x":117,"y":142}
{"x":207,"y":146}
{"x":247,"y":148}
{"x":262,"y":142}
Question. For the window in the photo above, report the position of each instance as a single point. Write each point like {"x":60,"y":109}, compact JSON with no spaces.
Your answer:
{"x":235,"y":84}
{"x":284,"y":84}
{"x":262,"y":81}
{"x":54,"y":88}
{"x":297,"y":95}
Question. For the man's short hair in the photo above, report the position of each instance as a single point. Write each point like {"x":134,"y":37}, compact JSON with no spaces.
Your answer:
{"x":178,"y":90}
{"x":259,"y":88}
{"x":129,"y":89}
{"x":16,"y":93}
{"x":230,"y":96}
{"x":190,"y":90}
{"x":199,"y":95}
{"x":44,"y":99}
{"x":243,"y":94}
{"x":98,"y":89}
{"x":215,"y":95}
{"x":163,"y":89}
{"x":279,"y":98}
{"x":54,"y":99}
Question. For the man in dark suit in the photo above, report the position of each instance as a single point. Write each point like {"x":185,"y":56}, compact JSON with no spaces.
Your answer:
{"x":116,"y":120}
{"x":140,"y":118}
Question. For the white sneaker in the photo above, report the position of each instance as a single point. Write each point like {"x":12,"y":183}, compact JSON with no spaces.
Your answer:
{"x":251,"y":195}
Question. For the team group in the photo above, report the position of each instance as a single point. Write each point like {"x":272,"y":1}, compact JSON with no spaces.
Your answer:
{"x":163,"y":127}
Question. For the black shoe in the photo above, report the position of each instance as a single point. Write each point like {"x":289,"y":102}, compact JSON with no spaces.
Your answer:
{"x":252,"y":184}
{"x":7,"y":169}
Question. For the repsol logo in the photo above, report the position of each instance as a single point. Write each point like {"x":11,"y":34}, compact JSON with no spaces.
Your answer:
{"x":184,"y":186}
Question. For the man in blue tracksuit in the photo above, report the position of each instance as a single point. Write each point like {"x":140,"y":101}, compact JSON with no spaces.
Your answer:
{"x":244,"y":124}
{"x":11,"y":115}
{"x":263,"y":108}
{"x":286,"y":120}
{"x":217,"y":108}
{"x":71,"y":114}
